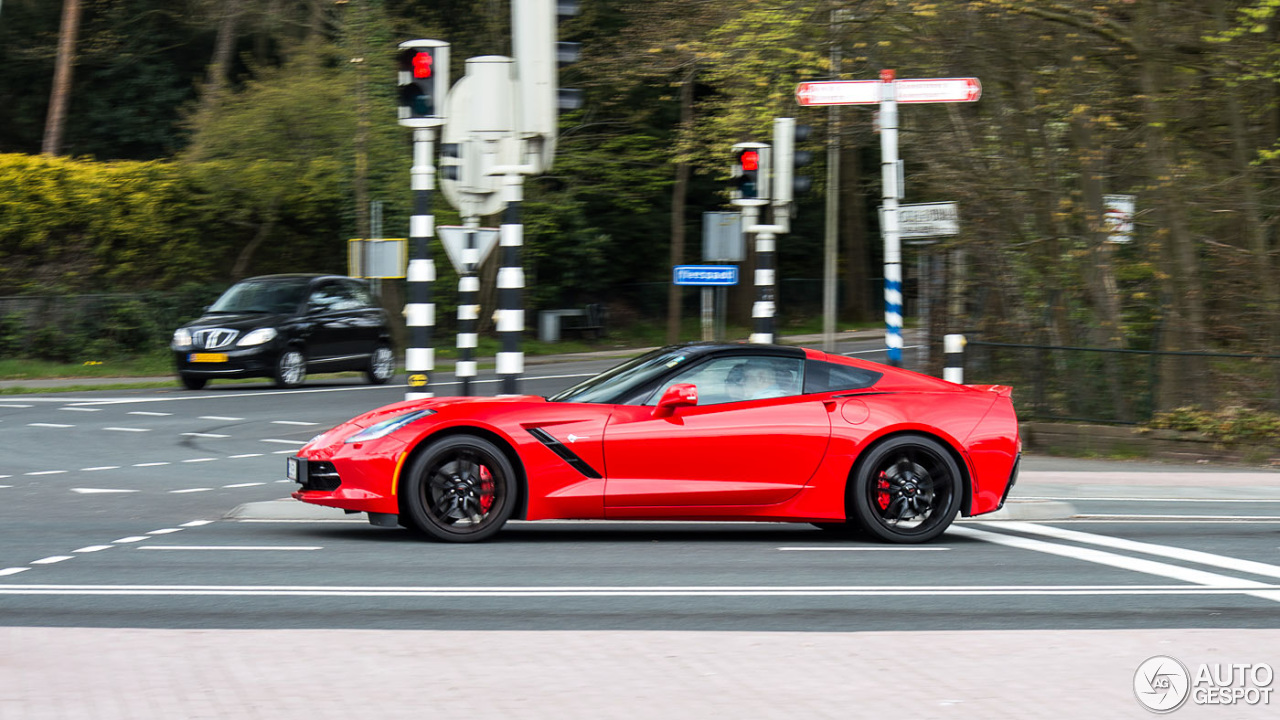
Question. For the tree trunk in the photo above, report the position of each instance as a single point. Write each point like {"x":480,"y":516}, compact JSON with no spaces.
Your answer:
{"x":60,"y":95}
{"x":679,"y":193}
{"x":223,"y":55}
{"x":857,"y":305}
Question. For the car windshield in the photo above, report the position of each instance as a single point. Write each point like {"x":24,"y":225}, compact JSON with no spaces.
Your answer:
{"x":612,"y":385}
{"x":258,"y":296}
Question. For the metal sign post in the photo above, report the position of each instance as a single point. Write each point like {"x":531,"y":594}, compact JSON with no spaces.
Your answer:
{"x":888,"y":92}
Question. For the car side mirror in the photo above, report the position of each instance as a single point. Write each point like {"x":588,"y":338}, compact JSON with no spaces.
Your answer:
{"x":677,"y":396}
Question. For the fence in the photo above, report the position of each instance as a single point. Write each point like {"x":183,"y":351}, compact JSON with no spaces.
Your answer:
{"x":1102,"y":385}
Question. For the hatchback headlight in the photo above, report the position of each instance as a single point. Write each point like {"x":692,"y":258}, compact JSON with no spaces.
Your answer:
{"x":386,"y":427}
{"x":257,"y":337}
{"x":182,"y":337}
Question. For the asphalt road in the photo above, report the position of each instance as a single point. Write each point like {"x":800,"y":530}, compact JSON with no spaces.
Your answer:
{"x":159,"y":514}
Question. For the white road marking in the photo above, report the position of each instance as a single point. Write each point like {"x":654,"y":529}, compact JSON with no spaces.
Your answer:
{"x":15,"y":406}
{"x":286,"y":548}
{"x":130,"y":539}
{"x":149,"y":414}
{"x":127,"y":429}
{"x":245,"y":455}
{"x":81,"y":409}
{"x":285,"y":442}
{"x":1112,"y":517}
{"x":5,"y":486}
{"x":861,"y":549}
{"x":1150,"y":499}
{"x":100,"y":491}
{"x":100,"y":467}
{"x":49,"y":425}
{"x":13,"y":571}
{"x":204,"y":435}
{"x":165,"y":531}
{"x":46,"y":472}
{"x":199,"y":460}
{"x":619,"y":591}
{"x":196,"y":523}
{"x":220,"y":417}
{"x":293,"y":422}
{"x":150,"y":464}
{"x":245,"y":484}
{"x":1221,"y":562}
{"x":93,"y":548}
{"x":1124,"y":562}
{"x":51,"y":560}
{"x":282,"y":452}
{"x":189,"y":490}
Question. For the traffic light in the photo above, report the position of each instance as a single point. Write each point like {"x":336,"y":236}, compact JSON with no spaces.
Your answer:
{"x":451,"y":161}
{"x":424,"y":79}
{"x":535,"y":27}
{"x":786,"y":133}
{"x":750,"y":173}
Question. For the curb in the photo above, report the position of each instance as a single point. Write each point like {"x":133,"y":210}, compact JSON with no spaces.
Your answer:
{"x":1015,"y":509}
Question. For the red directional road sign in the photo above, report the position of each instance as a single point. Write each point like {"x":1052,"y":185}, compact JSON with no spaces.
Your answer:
{"x":867,"y":92}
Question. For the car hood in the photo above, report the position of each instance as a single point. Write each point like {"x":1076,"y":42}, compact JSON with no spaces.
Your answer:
{"x":237,"y":321}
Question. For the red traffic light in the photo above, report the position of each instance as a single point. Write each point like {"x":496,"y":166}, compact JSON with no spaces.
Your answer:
{"x":422,"y":65}
{"x":750,"y":160}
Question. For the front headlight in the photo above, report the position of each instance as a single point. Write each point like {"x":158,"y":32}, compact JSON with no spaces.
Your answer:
{"x":182,"y":337}
{"x":386,"y":427}
{"x":257,"y":337}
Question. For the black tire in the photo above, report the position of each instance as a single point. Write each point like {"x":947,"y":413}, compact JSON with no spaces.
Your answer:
{"x":382,"y":365}
{"x":906,"y":490}
{"x":460,"y":489}
{"x":291,"y":368}
{"x":192,"y":382}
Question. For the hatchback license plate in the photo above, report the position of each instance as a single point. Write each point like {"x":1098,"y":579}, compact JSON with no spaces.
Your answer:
{"x":207,"y":357}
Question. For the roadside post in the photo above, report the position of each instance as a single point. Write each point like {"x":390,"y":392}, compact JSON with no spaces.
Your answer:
{"x":423,"y":81}
{"x":708,"y":277}
{"x":888,"y":92}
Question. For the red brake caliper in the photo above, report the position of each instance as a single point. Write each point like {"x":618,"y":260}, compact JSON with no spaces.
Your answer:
{"x":486,"y":489}
{"x":882,"y":492}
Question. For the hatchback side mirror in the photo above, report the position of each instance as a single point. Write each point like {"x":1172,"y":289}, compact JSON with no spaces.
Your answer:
{"x":677,"y":396}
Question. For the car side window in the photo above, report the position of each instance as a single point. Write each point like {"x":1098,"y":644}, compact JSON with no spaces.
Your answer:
{"x":359,"y":294}
{"x":827,"y":377}
{"x":735,"y":379}
{"x":333,"y":297}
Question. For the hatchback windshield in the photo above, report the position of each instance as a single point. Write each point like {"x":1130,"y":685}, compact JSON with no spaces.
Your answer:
{"x":614,"y":384}
{"x":279,"y":296}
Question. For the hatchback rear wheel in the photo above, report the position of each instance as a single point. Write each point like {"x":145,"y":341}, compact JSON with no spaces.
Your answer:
{"x":291,"y":368}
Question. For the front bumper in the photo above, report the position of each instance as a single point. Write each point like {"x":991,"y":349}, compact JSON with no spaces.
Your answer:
{"x":258,"y":361}
{"x":350,"y":480}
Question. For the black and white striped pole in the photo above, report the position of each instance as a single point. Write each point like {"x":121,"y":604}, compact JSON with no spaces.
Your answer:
{"x":764,"y":310}
{"x":468,"y":305}
{"x":953,"y":350}
{"x":749,"y":190}
{"x":423,"y":83}
{"x":510,"y":315}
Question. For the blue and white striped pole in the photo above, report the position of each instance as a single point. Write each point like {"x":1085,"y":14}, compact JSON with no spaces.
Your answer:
{"x":889,"y":222}
{"x":419,"y":311}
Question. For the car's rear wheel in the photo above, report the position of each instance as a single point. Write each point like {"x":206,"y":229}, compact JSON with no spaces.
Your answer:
{"x":192,"y":382}
{"x":906,"y":490}
{"x":382,"y":365}
{"x":291,"y":368}
{"x":460,"y":489}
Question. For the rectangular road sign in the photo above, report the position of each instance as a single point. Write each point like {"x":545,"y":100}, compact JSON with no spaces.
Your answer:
{"x":705,"y":275}
{"x":867,"y":92}
{"x":922,"y":220}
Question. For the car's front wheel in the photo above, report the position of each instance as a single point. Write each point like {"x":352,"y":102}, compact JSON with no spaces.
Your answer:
{"x":460,"y":489}
{"x":291,"y":368}
{"x":382,"y":365}
{"x":906,"y":490}
{"x":192,"y":382}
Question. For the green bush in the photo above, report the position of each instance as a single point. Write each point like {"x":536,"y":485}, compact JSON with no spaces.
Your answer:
{"x":1229,"y":425}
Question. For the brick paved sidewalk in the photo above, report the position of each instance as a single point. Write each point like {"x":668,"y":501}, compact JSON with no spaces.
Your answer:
{"x":284,"y":674}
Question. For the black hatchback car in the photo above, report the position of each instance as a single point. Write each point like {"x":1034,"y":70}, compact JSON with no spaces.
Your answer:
{"x":284,"y":326}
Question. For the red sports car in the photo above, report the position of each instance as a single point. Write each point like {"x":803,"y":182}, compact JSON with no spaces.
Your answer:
{"x":706,"y":431}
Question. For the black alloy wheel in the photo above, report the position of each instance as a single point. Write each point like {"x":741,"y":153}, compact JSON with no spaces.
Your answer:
{"x":460,"y":489}
{"x":907,"y":490}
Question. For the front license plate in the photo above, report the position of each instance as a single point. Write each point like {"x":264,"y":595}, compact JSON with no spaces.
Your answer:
{"x":207,"y":357}
{"x":291,"y":469}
